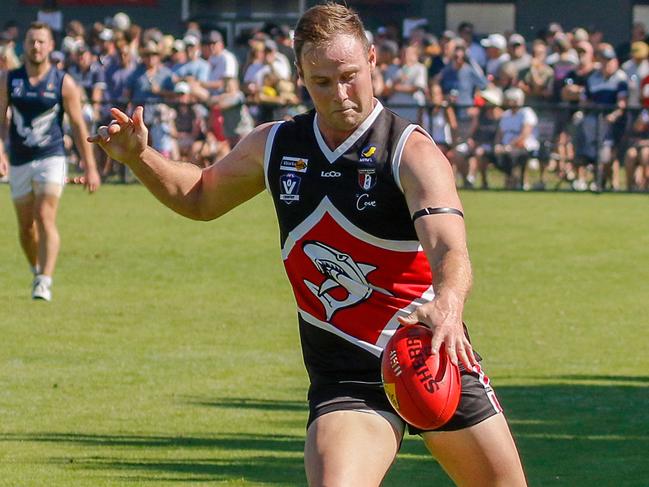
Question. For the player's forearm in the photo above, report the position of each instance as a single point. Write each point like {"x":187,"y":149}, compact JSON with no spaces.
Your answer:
{"x":453,"y":277}
{"x":174,"y":184}
{"x":80,"y":135}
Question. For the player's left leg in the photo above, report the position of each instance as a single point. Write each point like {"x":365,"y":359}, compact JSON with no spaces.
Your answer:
{"x":27,"y":233}
{"x":46,"y":205}
{"x":345,"y":448}
{"x":48,"y":183}
{"x":482,"y":455}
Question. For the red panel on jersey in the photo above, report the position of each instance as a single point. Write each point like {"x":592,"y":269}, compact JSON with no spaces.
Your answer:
{"x":353,"y":282}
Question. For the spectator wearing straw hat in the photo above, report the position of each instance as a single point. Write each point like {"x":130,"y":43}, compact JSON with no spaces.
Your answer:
{"x":151,"y":81}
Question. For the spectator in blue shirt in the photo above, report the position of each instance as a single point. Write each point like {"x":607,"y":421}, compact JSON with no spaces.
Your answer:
{"x":474,"y":50}
{"x":89,"y":75}
{"x":151,"y":81}
{"x":606,"y":89}
{"x":461,"y":78}
{"x":118,"y":75}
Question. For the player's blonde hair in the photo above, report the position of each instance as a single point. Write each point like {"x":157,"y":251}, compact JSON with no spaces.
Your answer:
{"x":321,"y":23}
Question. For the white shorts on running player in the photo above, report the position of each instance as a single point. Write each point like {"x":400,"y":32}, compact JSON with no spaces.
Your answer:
{"x":38,"y":176}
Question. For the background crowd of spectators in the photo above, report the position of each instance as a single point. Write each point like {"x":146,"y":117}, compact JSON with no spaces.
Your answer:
{"x":564,"y":107}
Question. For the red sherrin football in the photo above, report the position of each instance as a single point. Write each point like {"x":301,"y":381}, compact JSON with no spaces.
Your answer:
{"x":423,"y":388}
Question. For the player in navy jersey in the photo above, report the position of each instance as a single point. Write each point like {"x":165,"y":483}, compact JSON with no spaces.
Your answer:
{"x":346,"y":180}
{"x":38,"y":95}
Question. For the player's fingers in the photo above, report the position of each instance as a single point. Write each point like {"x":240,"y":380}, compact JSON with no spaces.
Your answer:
{"x":470,"y":354}
{"x":436,"y":342}
{"x":103,"y":133}
{"x":138,"y":118}
{"x":451,"y":350}
{"x":411,"y":319}
{"x":119,"y":115}
{"x":463,"y":356}
{"x":114,"y":127}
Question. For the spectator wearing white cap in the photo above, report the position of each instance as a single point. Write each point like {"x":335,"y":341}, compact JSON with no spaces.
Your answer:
{"x":516,"y":139}
{"x":223,"y":63}
{"x":496,"y":46}
{"x":196,"y":67}
{"x":191,"y":123}
{"x":107,"y":52}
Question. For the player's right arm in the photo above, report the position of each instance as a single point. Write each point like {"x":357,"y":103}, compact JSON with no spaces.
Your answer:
{"x":4,"y":161}
{"x":200,"y":194}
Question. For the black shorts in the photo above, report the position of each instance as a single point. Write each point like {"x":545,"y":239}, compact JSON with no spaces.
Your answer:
{"x":477,"y":403}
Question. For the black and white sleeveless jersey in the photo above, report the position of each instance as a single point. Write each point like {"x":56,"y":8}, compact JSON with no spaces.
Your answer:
{"x":349,"y":246}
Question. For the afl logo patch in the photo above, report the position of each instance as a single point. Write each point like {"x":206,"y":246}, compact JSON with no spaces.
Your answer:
{"x":289,"y":187}
{"x":294,"y":164}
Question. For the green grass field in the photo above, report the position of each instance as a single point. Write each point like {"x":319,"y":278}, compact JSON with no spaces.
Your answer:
{"x":170,"y":354}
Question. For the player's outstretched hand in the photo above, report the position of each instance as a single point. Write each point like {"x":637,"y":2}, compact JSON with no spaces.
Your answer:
{"x":125,"y":138}
{"x":447,"y":328}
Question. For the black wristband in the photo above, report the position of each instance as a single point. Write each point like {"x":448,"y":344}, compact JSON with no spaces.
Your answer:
{"x":436,"y":211}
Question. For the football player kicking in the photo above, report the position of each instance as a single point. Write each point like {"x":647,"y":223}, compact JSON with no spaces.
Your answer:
{"x":372,"y":237}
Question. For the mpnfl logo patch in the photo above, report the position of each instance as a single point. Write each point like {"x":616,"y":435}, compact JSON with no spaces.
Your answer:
{"x":368,"y":155}
{"x":289,"y":188}
{"x":294,"y":164}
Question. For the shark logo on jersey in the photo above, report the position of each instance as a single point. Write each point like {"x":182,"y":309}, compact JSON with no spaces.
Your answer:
{"x":38,"y":132}
{"x":341,"y":271}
